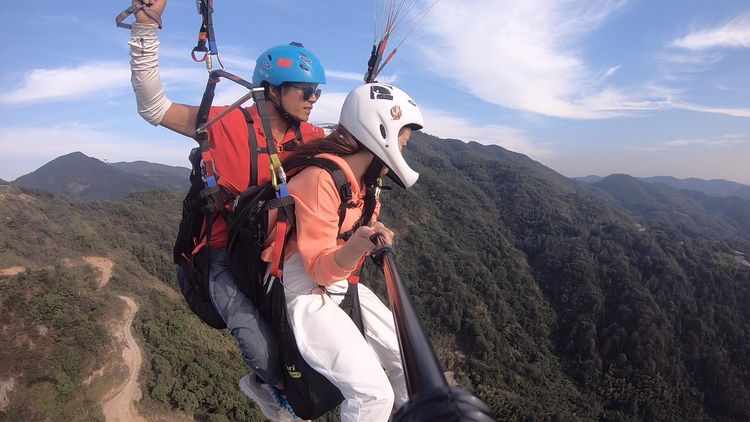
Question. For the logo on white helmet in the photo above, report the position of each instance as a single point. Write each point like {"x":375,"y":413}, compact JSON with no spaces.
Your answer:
{"x":378,"y":92}
{"x":396,"y":112}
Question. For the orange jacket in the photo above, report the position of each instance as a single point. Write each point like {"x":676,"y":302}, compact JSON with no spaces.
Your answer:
{"x":317,"y":202}
{"x":229,"y":145}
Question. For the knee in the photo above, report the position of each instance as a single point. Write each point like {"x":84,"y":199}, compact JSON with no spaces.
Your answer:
{"x":376,"y":394}
{"x":388,"y":397}
{"x":253,"y":343}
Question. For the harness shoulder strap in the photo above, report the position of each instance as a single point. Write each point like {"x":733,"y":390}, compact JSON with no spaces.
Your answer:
{"x":343,"y":186}
{"x":205,"y":106}
{"x":252,"y":145}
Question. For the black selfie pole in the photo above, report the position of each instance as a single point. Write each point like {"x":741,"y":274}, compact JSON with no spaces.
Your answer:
{"x":430,"y":396}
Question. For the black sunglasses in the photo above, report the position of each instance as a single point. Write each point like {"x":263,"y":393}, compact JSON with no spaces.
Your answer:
{"x":308,"y":90}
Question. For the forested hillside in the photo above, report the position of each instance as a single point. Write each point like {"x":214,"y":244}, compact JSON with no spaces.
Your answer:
{"x":551,"y":299}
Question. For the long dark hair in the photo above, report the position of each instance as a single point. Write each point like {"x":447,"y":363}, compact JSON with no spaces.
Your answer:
{"x":339,"y":142}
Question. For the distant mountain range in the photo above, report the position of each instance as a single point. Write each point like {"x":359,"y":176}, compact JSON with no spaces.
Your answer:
{"x":717,"y":187}
{"x":694,"y":212}
{"x":82,"y":177}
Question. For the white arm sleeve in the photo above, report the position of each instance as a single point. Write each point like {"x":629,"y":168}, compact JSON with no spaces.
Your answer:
{"x":144,"y":67}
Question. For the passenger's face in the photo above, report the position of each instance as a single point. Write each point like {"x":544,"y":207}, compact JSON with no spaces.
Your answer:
{"x":403,"y":138}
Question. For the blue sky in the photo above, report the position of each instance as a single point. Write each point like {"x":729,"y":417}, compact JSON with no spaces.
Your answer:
{"x":586,"y":87}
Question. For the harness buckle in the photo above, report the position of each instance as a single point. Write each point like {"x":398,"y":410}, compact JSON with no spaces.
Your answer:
{"x":202,"y":59}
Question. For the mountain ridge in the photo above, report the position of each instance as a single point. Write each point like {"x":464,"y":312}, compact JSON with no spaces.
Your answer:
{"x":711,"y":187}
{"x":79,"y":176}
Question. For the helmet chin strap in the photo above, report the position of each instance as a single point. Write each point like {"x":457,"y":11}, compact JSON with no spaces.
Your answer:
{"x":372,"y":174}
{"x":372,"y":185}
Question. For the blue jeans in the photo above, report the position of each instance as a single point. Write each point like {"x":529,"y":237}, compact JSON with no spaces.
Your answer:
{"x":257,"y":343}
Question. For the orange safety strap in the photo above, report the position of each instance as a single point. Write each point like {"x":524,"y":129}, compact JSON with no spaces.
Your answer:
{"x":203,"y":236}
{"x":278,"y":248}
{"x":208,"y":162}
{"x":199,"y":246}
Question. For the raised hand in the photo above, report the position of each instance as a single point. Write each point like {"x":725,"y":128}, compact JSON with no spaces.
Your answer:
{"x":153,"y":9}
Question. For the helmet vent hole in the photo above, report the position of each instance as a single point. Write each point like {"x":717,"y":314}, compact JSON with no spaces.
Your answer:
{"x":382,"y":131}
{"x":304,"y":67}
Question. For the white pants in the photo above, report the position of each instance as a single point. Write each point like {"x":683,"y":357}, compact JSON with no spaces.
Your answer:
{"x":368,"y":370}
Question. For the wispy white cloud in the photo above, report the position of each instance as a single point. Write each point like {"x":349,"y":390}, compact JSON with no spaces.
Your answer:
{"x":328,"y":107}
{"x":607,"y":73}
{"x":108,"y":79}
{"x":682,"y":66}
{"x":62,"y":139}
{"x":708,"y":142}
{"x":526,"y":55}
{"x":228,"y":93}
{"x":445,"y":125}
{"x":723,"y":141}
{"x":42,"y":144}
{"x":181,"y":76}
{"x":732,"y":34}
{"x":448,"y":125}
{"x":68,"y":83}
{"x":729,"y":111}
{"x":694,"y":60}
{"x":349,"y":76}
{"x":698,"y":52}
{"x":59,"y":19}
{"x":238,"y":60}
{"x":95,"y":79}
{"x":611,"y":102}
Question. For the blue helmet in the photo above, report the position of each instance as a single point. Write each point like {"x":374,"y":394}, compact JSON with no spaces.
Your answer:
{"x":288,"y":63}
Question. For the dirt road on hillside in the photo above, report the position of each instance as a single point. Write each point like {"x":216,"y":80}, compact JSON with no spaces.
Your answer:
{"x":12,"y":270}
{"x":119,"y":405}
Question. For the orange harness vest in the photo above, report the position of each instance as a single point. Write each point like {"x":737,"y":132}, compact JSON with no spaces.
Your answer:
{"x":240,"y":158}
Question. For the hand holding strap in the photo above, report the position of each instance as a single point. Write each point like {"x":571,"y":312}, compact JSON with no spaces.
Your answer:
{"x":136,"y":6}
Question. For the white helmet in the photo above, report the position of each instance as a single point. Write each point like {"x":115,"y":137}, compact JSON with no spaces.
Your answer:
{"x":374,"y":114}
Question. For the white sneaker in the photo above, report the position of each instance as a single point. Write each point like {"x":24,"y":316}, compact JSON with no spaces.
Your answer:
{"x":263,"y":396}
